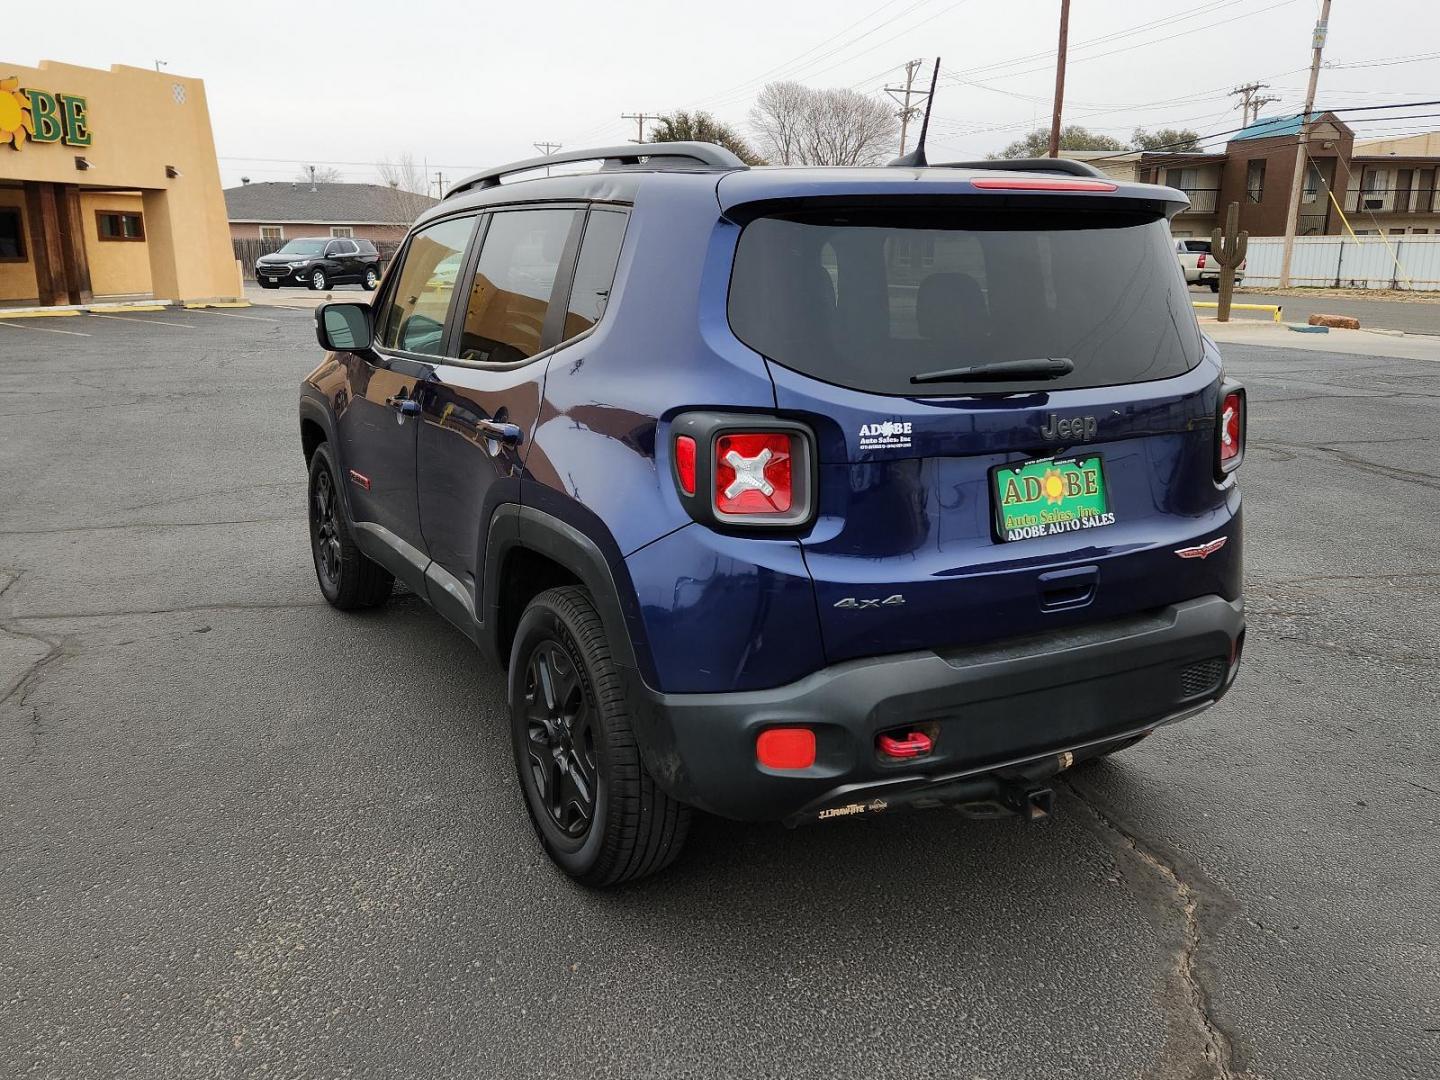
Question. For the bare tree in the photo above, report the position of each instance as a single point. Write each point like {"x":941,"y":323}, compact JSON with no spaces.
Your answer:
{"x":798,"y":125}
{"x":409,"y":187}
{"x":778,"y":117}
{"x":318,"y":174}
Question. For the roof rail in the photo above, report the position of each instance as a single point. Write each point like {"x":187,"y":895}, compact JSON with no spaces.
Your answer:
{"x":706,"y":154}
{"x":1068,"y":166}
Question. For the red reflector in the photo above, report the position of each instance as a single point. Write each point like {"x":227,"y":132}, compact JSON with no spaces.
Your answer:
{"x":685,"y":463}
{"x":786,"y":748}
{"x":1027,"y":183}
{"x":912,"y":744}
{"x":1232,"y":427}
{"x":752,"y":473}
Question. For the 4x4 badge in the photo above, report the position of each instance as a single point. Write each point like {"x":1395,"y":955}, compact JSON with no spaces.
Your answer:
{"x":872,"y":601}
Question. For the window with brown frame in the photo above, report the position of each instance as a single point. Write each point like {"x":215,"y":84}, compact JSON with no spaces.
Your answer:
{"x":12,"y":235}
{"x":119,"y":225}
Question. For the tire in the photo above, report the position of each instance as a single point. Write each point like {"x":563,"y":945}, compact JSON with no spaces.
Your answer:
{"x":1214,"y":286}
{"x":317,"y":280}
{"x":370,"y":279}
{"x":576,"y":742}
{"x":347,"y":577}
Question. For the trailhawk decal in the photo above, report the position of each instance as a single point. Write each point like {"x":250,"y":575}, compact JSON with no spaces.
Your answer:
{"x":886,"y":435}
{"x":1202,"y":551}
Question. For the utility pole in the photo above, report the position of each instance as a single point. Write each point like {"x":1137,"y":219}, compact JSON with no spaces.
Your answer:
{"x":546,"y":148}
{"x":440,"y":185}
{"x":641,"y":119}
{"x":1060,"y":78}
{"x":1251,"y":100}
{"x":312,"y":177}
{"x":1292,"y":216}
{"x":906,"y":109}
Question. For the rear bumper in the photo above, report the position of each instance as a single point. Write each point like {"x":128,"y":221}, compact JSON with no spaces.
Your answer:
{"x":1010,"y":706}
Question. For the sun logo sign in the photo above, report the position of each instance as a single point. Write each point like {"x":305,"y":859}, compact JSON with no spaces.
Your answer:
{"x":41,"y":117}
{"x":15,"y":119}
{"x":1053,"y":485}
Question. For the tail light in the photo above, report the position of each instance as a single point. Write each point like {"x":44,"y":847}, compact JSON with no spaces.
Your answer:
{"x":1200,"y":262}
{"x":1230,"y":428}
{"x":739,"y":470}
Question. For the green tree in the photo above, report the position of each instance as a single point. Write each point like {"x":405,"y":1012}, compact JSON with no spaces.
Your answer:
{"x":1177,"y":139}
{"x":682,"y":126}
{"x":1072,"y":137}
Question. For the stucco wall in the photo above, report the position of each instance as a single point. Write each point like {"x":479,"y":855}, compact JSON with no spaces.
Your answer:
{"x":17,"y":279}
{"x":116,"y":266}
{"x":142,"y":121}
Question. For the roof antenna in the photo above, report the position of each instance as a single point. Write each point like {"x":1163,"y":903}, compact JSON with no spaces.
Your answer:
{"x":916,"y":157}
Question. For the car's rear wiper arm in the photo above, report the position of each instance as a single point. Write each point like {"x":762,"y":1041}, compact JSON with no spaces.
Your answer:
{"x":1045,"y":367}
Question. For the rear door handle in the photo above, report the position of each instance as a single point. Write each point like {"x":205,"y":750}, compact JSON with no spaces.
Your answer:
{"x":506,"y":433}
{"x":1062,"y":590}
{"x":405,"y":406}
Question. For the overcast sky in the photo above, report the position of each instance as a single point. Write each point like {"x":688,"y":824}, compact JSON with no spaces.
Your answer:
{"x":464,"y":86}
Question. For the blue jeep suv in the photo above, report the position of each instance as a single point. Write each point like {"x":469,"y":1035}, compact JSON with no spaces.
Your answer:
{"x":790,"y":494}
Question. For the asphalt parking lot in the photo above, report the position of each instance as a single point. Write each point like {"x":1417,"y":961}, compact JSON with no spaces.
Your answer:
{"x":245,"y":835}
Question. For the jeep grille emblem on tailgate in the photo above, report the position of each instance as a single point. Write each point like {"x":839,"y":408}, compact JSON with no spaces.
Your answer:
{"x":1073,"y":429}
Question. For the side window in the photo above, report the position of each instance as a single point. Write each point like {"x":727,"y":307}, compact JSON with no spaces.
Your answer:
{"x":594,"y":270}
{"x":514,"y":278}
{"x":416,"y":306}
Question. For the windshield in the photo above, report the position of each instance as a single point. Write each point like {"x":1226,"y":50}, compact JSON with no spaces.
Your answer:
{"x":303,"y":247}
{"x":867,"y":299}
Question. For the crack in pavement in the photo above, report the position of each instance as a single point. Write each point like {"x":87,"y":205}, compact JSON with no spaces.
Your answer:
{"x":146,"y":525}
{"x":1217,"y":1053}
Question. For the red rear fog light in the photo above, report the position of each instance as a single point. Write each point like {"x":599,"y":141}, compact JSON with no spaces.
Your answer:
{"x":685,"y":463}
{"x":786,"y":748}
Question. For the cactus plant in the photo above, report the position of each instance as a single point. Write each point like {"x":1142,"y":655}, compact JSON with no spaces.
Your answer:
{"x":1228,"y":249}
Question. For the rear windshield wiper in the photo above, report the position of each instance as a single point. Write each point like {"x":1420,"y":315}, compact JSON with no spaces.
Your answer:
{"x":1045,"y":367}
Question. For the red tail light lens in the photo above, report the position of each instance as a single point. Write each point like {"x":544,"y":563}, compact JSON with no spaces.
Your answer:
{"x":786,"y":748}
{"x":685,"y":463}
{"x":1230,"y":448}
{"x":1200,"y":262}
{"x":753,"y":473}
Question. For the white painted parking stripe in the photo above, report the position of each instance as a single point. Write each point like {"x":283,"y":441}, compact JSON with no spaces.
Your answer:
{"x":232,"y":315}
{"x":43,"y":329}
{"x":147,"y":322}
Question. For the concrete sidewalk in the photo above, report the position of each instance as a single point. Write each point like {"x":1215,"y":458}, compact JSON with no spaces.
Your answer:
{"x":1355,"y":342}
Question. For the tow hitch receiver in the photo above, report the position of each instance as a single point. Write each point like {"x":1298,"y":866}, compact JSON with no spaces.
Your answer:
{"x":1022,"y":790}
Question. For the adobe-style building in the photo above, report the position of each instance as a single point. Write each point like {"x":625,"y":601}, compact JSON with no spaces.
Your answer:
{"x":109,"y":186}
{"x":282,"y":211}
{"x":1384,"y":186}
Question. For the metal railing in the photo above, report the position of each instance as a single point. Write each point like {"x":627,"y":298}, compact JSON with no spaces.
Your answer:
{"x":1202,"y":200}
{"x":1391,"y":201}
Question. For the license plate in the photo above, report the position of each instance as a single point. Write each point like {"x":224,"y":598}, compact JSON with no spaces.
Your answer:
{"x":1049,"y":496}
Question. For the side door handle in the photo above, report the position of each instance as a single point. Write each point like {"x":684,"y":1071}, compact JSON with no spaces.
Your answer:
{"x":506,"y":433}
{"x":403,"y":405}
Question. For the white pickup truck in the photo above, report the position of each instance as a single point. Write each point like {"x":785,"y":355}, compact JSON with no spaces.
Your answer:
{"x":1199,"y":267}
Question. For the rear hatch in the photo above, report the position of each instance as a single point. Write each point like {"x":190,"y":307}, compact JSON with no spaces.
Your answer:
{"x":954,"y":511}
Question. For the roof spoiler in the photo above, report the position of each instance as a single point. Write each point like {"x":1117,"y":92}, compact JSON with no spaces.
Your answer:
{"x":661,"y":155}
{"x":1068,"y":166}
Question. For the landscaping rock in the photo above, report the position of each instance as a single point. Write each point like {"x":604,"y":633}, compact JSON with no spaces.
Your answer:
{"x":1339,"y":322}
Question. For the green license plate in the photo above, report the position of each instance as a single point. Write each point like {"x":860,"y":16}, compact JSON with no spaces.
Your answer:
{"x":1049,"y":497}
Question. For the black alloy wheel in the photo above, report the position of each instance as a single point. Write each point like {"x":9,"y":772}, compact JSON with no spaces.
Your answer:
{"x":325,"y":530}
{"x":560,"y":738}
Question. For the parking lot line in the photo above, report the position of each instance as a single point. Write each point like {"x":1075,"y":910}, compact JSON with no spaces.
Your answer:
{"x":232,"y":315}
{"x":43,"y":329}
{"x":147,"y":322}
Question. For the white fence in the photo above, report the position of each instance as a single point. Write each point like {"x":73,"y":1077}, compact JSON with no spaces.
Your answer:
{"x":1340,"y":261}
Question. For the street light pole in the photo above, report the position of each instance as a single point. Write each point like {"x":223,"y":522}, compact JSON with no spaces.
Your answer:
{"x":1292,"y":217}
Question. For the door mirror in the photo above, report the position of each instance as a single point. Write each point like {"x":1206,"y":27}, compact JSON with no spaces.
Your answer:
{"x":343,"y":327}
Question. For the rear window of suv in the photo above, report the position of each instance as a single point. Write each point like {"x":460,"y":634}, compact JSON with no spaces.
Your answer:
{"x":867,"y":299}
